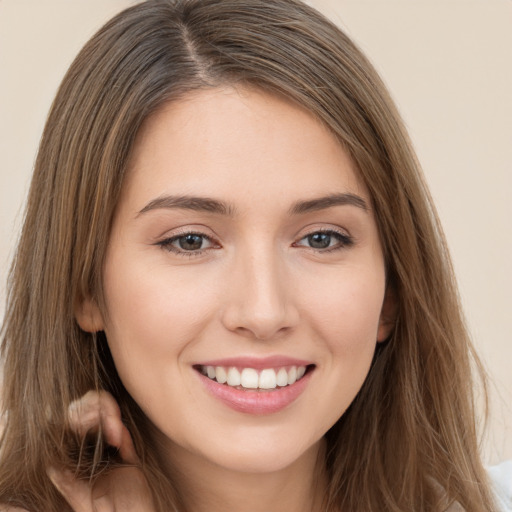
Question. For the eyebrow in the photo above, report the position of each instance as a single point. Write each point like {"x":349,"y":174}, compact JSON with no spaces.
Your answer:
{"x":329,"y":201}
{"x":210,"y":205}
{"x":199,"y":204}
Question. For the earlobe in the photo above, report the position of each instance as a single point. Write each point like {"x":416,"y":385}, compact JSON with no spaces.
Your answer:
{"x":387,"y":315}
{"x":88,"y":315}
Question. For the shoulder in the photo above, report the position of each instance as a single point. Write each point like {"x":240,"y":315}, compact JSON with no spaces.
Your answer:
{"x":501,"y":480}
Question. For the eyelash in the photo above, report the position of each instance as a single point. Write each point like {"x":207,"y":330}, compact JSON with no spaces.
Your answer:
{"x":344,"y":241}
{"x":167,"y":244}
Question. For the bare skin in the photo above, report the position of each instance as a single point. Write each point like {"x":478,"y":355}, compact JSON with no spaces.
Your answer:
{"x":286,"y":264}
{"x":124,"y":489}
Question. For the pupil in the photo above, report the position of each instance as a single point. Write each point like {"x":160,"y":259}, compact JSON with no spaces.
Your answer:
{"x":191,"y":242}
{"x":319,"y":240}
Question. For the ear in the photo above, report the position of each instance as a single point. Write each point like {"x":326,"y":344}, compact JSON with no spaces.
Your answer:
{"x":387,"y":315}
{"x":88,"y":315}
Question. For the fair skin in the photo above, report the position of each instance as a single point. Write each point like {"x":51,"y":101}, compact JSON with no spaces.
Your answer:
{"x":243,"y":238}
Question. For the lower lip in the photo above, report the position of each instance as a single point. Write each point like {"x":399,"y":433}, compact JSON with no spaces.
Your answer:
{"x":256,"y":401}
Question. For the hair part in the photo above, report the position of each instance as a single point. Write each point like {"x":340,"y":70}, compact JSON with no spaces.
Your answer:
{"x":409,"y":440}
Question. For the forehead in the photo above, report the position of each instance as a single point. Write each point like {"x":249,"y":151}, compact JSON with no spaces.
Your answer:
{"x":222,"y":140}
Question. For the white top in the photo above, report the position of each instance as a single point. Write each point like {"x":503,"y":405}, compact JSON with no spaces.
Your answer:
{"x":501,"y":478}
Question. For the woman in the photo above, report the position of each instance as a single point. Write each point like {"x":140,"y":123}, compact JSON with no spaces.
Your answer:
{"x":231,"y":289}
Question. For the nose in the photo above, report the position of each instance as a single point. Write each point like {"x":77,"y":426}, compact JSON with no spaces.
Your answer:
{"x":260,"y":302}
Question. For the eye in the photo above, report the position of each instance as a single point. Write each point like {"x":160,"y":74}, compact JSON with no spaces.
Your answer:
{"x":328,"y":240}
{"x":191,"y":242}
{"x":187,"y":243}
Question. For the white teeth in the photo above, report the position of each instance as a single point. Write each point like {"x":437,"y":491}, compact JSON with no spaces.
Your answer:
{"x":268,"y":379}
{"x":282,"y":377}
{"x":221,"y":375}
{"x":249,"y":378}
{"x":234,"y":377}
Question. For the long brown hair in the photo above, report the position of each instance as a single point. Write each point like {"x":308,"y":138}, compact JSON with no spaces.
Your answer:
{"x":408,"y":441}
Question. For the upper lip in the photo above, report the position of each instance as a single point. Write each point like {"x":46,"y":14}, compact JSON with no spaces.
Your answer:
{"x":258,"y":363}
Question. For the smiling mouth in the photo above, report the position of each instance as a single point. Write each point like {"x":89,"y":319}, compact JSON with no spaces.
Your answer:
{"x":250,"y":379}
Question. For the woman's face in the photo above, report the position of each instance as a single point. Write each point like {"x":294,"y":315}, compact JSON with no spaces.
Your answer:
{"x":244,"y":248}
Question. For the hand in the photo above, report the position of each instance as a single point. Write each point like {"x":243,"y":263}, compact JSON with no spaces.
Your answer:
{"x":123,"y":489}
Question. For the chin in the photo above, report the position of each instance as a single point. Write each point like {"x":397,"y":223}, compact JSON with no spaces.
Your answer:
{"x":263,"y":456}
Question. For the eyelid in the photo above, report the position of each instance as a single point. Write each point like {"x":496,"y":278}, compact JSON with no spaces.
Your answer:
{"x":344,"y":239}
{"x":166,"y":242}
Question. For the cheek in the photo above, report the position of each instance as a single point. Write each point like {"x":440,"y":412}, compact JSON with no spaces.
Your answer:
{"x":344,"y":320}
{"x":149,"y":299}
{"x":152,"y":317}
{"x":345,"y":306}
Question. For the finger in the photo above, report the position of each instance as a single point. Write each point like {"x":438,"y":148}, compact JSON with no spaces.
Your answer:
{"x":126,"y":448}
{"x":84,"y":413}
{"x":117,"y":435}
{"x":115,"y":432}
{"x":76,"y":492}
{"x":97,"y":409}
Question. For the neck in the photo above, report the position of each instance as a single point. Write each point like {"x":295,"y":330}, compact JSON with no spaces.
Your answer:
{"x":207,"y":487}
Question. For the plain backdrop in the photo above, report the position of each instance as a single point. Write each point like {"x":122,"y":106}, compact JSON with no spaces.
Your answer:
{"x":448,"y":64}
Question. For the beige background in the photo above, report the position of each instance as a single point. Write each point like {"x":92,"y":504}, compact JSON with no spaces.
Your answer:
{"x":448,"y":64}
